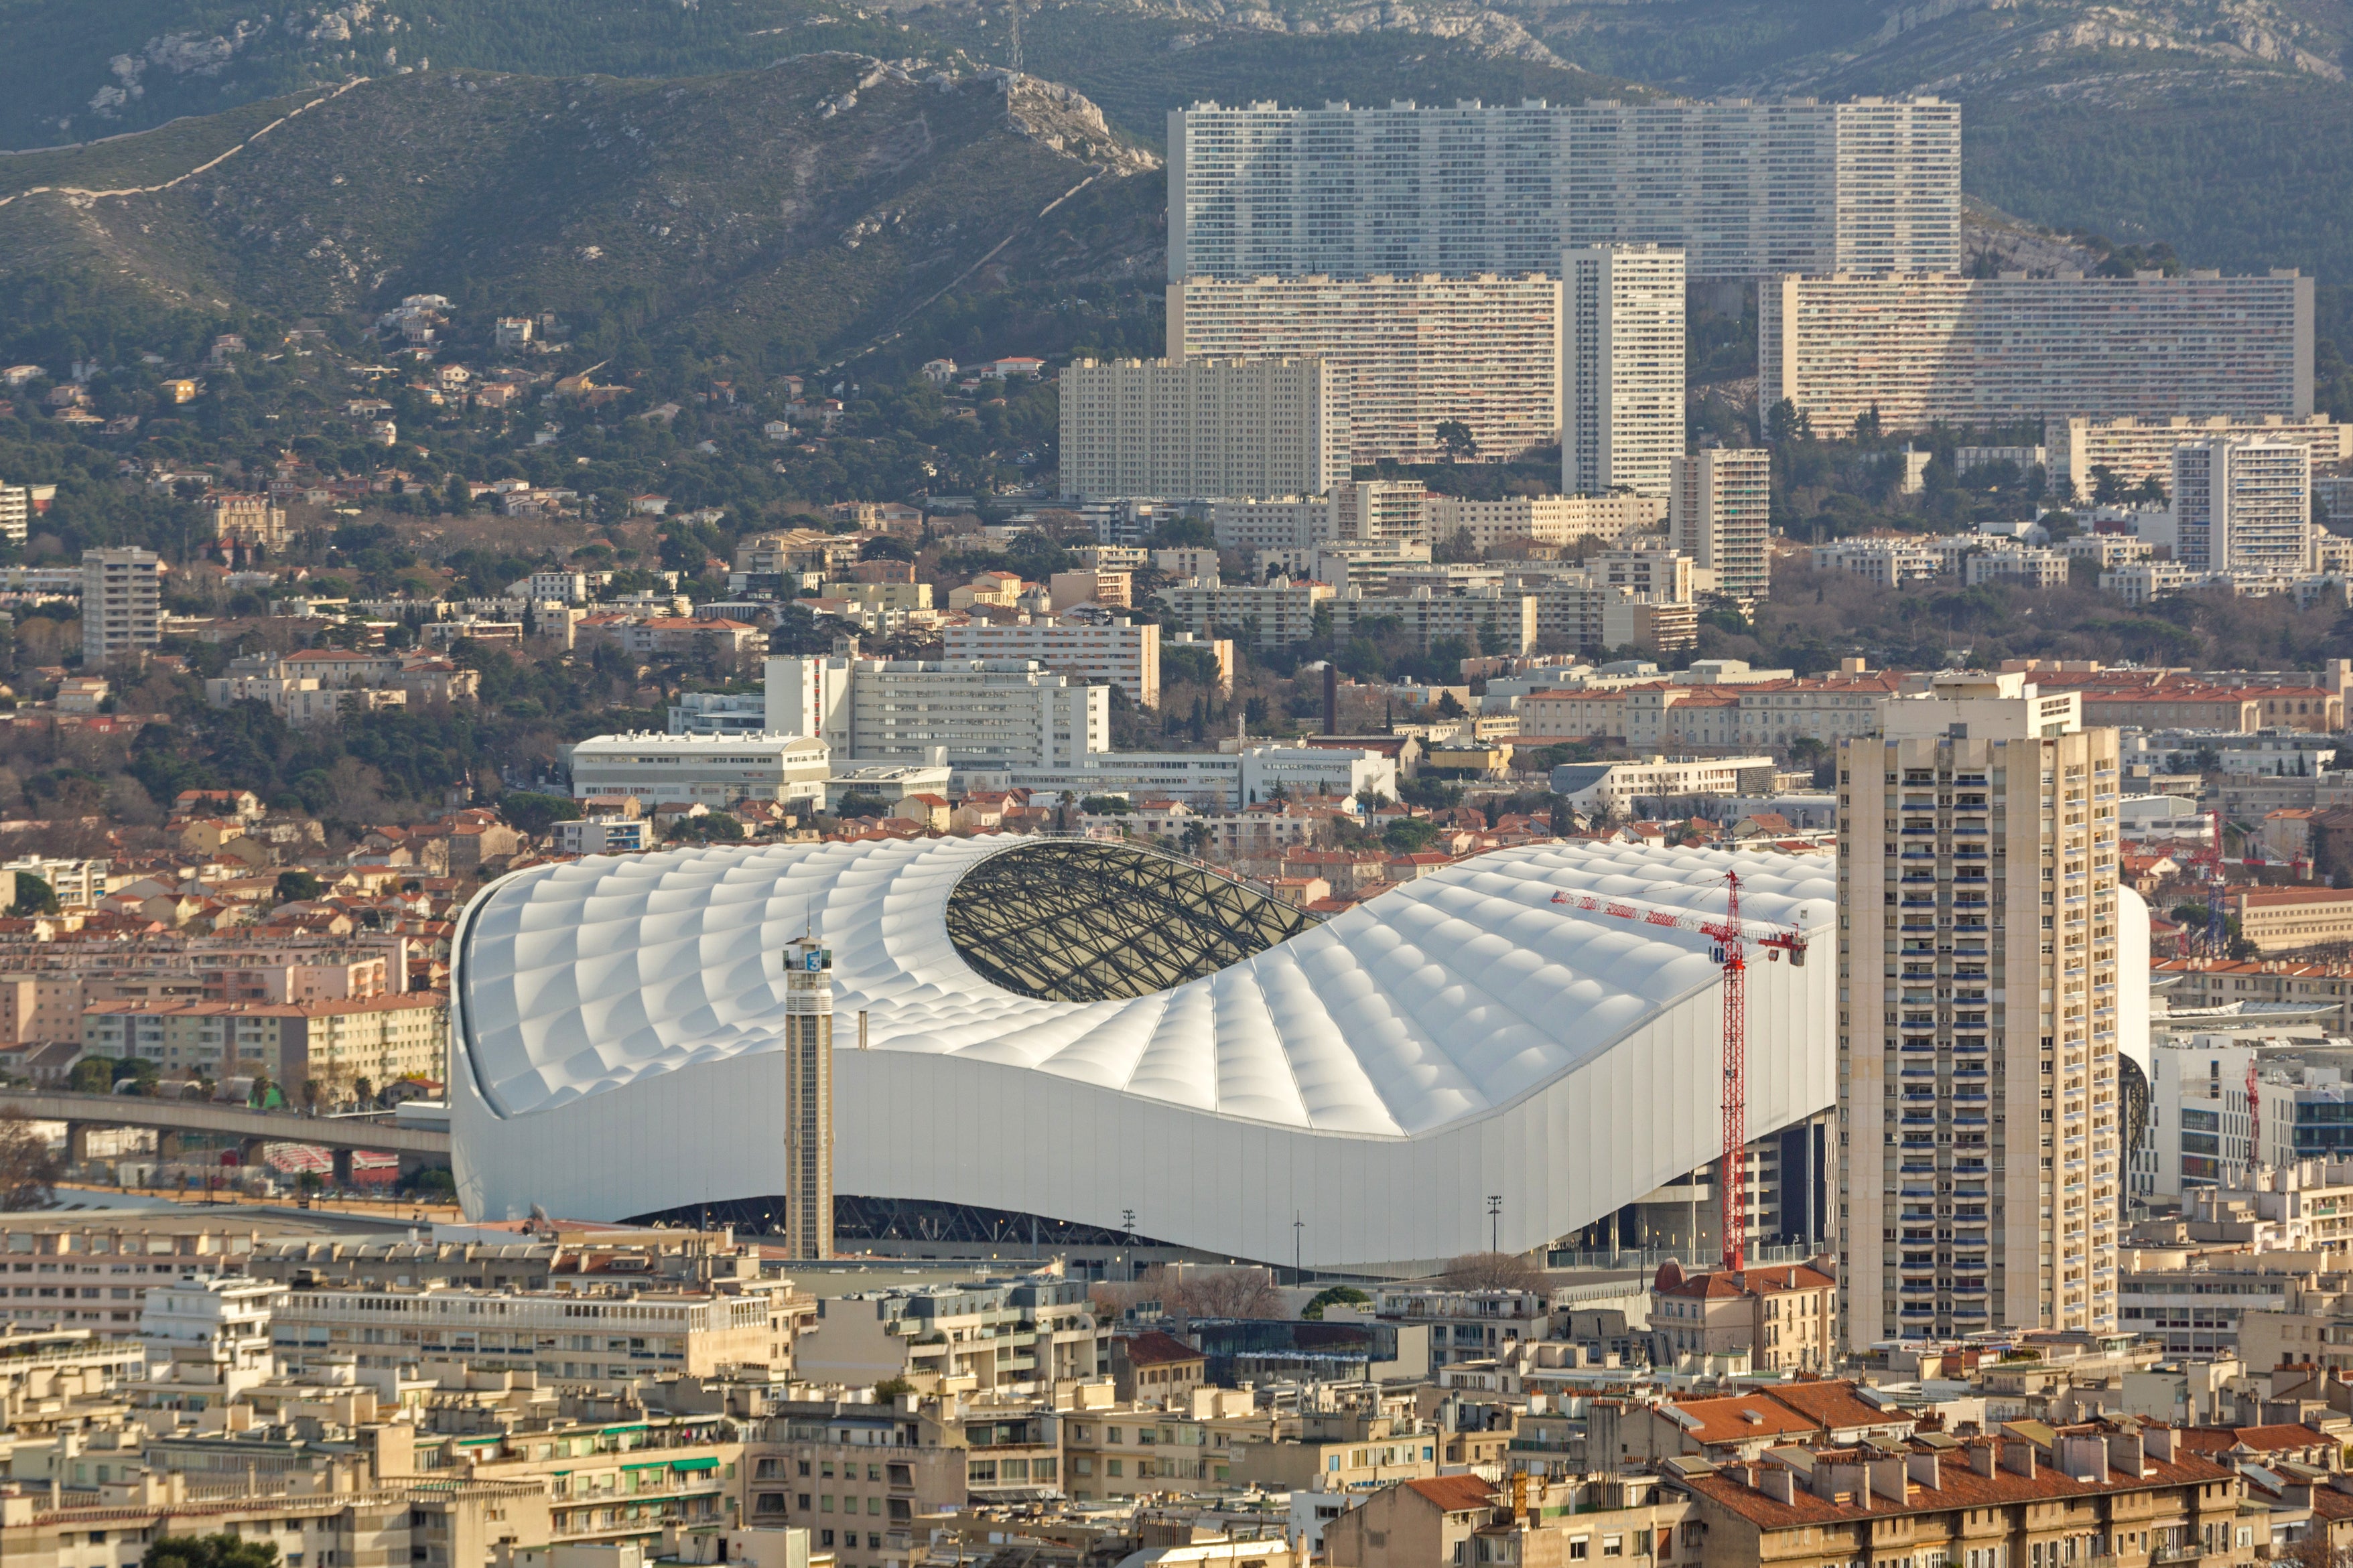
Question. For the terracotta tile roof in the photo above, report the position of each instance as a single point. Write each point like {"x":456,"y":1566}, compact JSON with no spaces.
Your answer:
{"x":1153,"y":1348}
{"x":1456,"y":1494}
{"x":1958,"y":1486}
{"x":1742,"y":1418}
{"x":2220,"y":1439}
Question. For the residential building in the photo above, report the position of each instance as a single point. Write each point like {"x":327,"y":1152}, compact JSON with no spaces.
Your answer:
{"x":607,"y":1340}
{"x":1984,"y":795}
{"x":2243,"y":506}
{"x":334,"y":1042}
{"x":1020,"y":1336}
{"x":1780,"y":1317}
{"x":94,"y":1274}
{"x":121,"y":604}
{"x":1274,"y":614}
{"x":1889,"y":562}
{"x":1203,"y":427}
{"x":1965,"y":351}
{"x":1622,"y":369}
{"x":250,"y":522}
{"x":2283,"y":920}
{"x":711,"y":769}
{"x":857,"y":1477}
{"x":1999,"y":563}
{"x":602,"y":834}
{"x":969,"y":712}
{"x":15,"y":513}
{"x":1720,"y":515}
{"x":1468,"y":1325}
{"x":221,"y":1324}
{"x":1617,"y":788}
{"x":345,"y":1516}
{"x":1223,"y":779}
{"x":1414,"y":352}
{"x":1125,"y":653}
{"x":2036,"y":1494}
{"x":1099,"y":586}
{"x":1497,"y":620}
{"x":1340,"y":1452}
{"x":2133,"y":451}
{"x":719,"y":713}
{"x":1746,"y":187}
{"x":1467,"y":1519}
{"x":1542,"y":520}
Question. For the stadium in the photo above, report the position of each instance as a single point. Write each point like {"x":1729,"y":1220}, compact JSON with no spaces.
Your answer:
{"x":1095,"y":1039}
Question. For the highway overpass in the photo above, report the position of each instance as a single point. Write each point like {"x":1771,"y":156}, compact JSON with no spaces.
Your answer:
{"x":417,"y":1147}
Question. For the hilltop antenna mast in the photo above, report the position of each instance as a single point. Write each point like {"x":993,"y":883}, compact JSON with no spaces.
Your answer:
{"x":1017,"y":38}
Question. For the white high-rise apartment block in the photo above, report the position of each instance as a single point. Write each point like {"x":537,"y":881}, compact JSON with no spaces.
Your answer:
{"x":1982,"y":1155}
{"x":1970,"y":350}
{"x":1543,"y":519}
{"x":15,"y":513}
{"x":121,"y":604}
{"x":1413,"y":352}
{"x":1720,"y":515}
{"x":1747,"y":189}
{"x":2134,"y":450}
{"x":2243,"y":506}
{"x":1202,"y":427}
{"x":1623,"y":386}
{"x":980,"y":713}
{"x":1122,"y":653}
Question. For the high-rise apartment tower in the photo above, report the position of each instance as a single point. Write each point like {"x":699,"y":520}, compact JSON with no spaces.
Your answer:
{"x":1720,"y":515}
{"x":808,"y":1099}
{"x":121,"y":604}
{"x":1621,"y":368}
{"x":2243,"y":506}
{"x":1980,"y":1150}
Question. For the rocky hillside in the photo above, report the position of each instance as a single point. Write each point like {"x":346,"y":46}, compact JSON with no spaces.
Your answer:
{"x":792,"y":212}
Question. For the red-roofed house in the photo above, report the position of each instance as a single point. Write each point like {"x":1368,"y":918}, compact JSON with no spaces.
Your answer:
{"x":1782,"y":1317}
{"x":1156,"y":1368}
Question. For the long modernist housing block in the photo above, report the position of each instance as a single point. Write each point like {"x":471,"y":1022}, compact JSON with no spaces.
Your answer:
{"x":1745,"y":188}
{"x":1973,"y":351}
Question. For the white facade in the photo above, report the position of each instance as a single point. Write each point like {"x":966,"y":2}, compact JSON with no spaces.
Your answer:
{"x":1546,"y":520}
{"x":982,"y":712}
{"x":220,"y":1323}
{"x":121,"y":604}
{"x":1121,"y":653}
{"x":1413,"y":352}
{"x":704,"y":770}
{"x":1227,"y":779}
{"x":1622,"y":370}
{"x":1377,"y":1078}
{"x":1721,"y":516}
{"x":1747,"y":188}
{"x":1976,"y":351}
{"x":1979,"y":1075}
{"x":2243,"y":506}
{"x":2134,"y":450}
{"x":1202,"y":427}
{"x":719,"y":713}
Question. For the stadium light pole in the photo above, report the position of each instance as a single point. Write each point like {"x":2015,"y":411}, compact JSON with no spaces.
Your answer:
{"x":1494,"y":1222}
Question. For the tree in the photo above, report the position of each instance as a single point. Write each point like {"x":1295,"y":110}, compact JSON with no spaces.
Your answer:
{"x":1454,"y":434}
{"x":527,"y":811}
{"x":299,"y":887}
{"x":259,"y":1096}
{"x":34,"y":897}
{"x":1785,"y":421}
{"x":1409,"y":836}
{"x":1449,"y":706}
{"x":1333,"y":1296}
{"x":1867,"y":425}
{"x":91,"y":1075}
{"x":28,"y":1169}
{"x":222,"y":1550}
{"x":1491,"y":1271}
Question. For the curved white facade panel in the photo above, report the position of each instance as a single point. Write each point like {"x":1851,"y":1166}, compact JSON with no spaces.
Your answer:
{"x":618,"y":1024}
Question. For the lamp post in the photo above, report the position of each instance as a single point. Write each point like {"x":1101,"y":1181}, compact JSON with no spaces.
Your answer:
{"x":1494,"y":1222}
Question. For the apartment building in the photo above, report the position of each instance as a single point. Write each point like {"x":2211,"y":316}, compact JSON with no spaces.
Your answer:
{"x":1978,"y":1107}
{"x":1498,"y":620}
{"x":1967,"y":351}
{"x":2137,"y":450}
{"x":352,"y":1519}
{"x":1009,"y":1336}
{"x":1121,"y":654}
{"x":1412,"y":351}
{"x":1543,"y":519}
{"x":606,"y":1341}
{"x":95,"y":1275}
{"x":858,"y":1476}
{"x":2243,"y":506}
{"x":1289,"y":530}
{"x":1203,"y":427}
{"x":1184,"y":1443}
{"x":1783,"y":1317}
{"x":1720,"y":515}
{"x":714,"y":770}
{"x":1745,"y":188}
{"x":1622,"y":376}
{"x":121,"y":604}
{"x":1614,"y":787}
{"x":402,"y":1034}
{"x":2282,"y":920}
{"x":1274,"y":614}
{"x":988,"y":713}
{"x":1889,"y":562}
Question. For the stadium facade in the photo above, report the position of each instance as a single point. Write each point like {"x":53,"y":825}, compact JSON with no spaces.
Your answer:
{"x":1106,"y":1036}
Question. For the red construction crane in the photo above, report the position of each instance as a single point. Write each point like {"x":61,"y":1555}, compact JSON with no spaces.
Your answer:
{"x":1733,"y":937}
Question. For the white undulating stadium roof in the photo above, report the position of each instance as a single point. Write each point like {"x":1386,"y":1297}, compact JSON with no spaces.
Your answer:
{"x":1377,"y":1076}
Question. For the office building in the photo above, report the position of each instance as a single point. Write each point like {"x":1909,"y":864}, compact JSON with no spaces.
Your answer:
{"x":714,"y":770}
{"x":969,"y":712}
{"x":1120,"y":653}
{"x":1872,"y":185}
{"x":1970,"y":350}
{"x":1542,"y":520}
{"x":2133,"y":451}
{"x":1980,"y":938}
{"x":1720,"y":515}
{"x":2243,"y":506}
{"x":1412,"y":352}
{"x":1202,"y":427}
{"x":809,"y":1099}
{"x":1622,"y":379}
{"x":121,"y":604}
